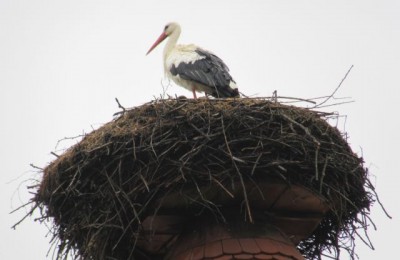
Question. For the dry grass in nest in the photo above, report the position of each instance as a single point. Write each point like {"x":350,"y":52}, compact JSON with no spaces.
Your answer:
{"x":98,"y":192}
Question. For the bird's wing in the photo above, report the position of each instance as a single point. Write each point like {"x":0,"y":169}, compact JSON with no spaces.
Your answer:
{"x":207,"y":69}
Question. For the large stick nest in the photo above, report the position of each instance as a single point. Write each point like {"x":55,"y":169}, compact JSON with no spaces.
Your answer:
{"x":98,"y":192}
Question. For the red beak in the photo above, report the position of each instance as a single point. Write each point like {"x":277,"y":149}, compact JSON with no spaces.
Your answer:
{"x":159,"y":40}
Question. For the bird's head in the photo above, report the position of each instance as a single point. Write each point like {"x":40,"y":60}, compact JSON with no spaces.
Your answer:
{"x":169,"y":29}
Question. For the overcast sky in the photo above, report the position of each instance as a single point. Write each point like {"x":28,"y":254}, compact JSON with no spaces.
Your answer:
{"x":62,"y":63}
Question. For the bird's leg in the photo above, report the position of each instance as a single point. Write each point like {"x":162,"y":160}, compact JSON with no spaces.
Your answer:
{"x":194,"y":93}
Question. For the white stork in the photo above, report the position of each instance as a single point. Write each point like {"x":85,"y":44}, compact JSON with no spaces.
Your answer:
{"x":195,"y":68}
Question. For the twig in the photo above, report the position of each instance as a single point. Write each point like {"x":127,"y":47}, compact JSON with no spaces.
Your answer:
{"x":340,"y":84}
{"x":297,"y":99}
{"x":56,"y":155}
{"x":337,"y":104}
{"x":372,"y":188}
{"x":255,"y":164}
{"x":241,"y":93}
{"x":165,"y":87}
{"x":246,"y":200}
{"x":223,"y":187}
{"x":36,"y":167}
{"x":26,"y":215}
{"x":323,"y":174}
{"x":275,"y":96}
{"x":316,"y":163}
{"x":120,"y":106}
{"x":67,"y":138}
{"x":306,"y":130}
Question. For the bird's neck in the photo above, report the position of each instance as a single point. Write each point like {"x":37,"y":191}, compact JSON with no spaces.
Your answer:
{"x":172,"y":40}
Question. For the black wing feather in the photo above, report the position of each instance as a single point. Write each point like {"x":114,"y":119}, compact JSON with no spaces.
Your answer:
{"x":210,"y":71}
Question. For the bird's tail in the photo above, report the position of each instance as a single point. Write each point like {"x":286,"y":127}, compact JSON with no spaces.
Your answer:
{"x":225,"y":92}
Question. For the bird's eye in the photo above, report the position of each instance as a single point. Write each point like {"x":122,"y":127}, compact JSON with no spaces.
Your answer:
{"x":166,"y":27}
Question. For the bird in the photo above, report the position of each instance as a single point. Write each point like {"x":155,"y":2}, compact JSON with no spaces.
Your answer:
{"x":195,"y":68}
